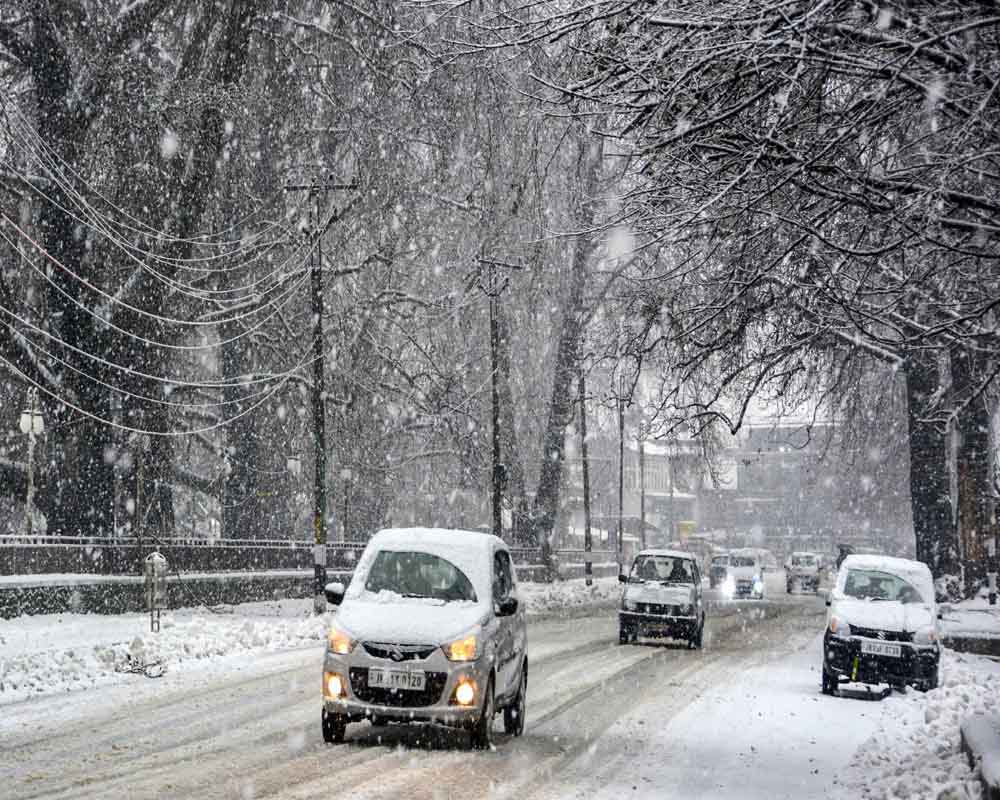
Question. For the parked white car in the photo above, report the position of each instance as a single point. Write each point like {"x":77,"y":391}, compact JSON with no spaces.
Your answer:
{"x":429,"y":630}
{"x":881,"y":625}
{"x":802,"y":570}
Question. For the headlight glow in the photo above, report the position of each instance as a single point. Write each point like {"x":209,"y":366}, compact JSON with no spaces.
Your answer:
{"x":628,"y":605}
{"x":840,"y":628}
{"x":339,"y":642}
{"x":333,"y":685}
{"x":465,"y":693}
{"x":464,"y":649}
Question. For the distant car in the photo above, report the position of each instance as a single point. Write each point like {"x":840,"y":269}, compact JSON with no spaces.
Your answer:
{"x":429,"y":630}
{"x":662,"y":597}
{"x":746,"y":575}
{"x":718,"y":570}
{"x":882,"y":625}
{"x":802,"y":570}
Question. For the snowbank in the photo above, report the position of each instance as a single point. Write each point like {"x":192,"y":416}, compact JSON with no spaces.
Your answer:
{"x":917,"y":750}
{"x":54,"y":653}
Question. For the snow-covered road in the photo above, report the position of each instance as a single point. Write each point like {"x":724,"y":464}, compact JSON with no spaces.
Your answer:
{"x":250,"y":729}
{"x":742,"y":718}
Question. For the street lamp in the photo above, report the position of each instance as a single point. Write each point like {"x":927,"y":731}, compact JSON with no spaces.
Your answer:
{"x":32,"y":424}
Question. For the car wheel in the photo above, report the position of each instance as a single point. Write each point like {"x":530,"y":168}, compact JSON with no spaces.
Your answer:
{"x":931,"y":683}
{"x":482,"y":731}
{"x":625,"y":633}
{"x":829,"y":682}
{"x":695,"y":641}
{"x":513,"y":715}
{"x":334,"y":728}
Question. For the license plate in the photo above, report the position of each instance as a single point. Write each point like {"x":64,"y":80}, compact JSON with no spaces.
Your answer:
{"x":881,"y":649}
{"x":396,"y":679}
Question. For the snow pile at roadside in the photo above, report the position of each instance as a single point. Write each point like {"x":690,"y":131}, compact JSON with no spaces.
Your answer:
{"x":126,"y":645}
{"x":543,"y":599}
{"x":916,"y":752}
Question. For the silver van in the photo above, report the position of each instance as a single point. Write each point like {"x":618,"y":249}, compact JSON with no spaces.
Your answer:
{"x":430,"y":630}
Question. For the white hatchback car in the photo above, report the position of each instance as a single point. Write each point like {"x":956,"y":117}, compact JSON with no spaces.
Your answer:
{"x":882,"y":624}
{"x":429,"y":630}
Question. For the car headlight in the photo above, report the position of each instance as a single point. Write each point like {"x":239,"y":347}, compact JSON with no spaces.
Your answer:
{"x":925,"y":636}
{"x":338,"y":641}
{"x":464,"y":649}
{"x":840,"y":628}
{"x":628,"y":605}
{"x":686,"y":610}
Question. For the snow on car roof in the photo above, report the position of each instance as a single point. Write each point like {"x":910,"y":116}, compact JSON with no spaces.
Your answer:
{"x":799,"y":553}
{"x":915,"y":571}
{"x":390,"y":538}
{"x":667,"y":554}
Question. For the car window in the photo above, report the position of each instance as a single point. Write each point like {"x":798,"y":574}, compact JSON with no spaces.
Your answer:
{"x":662,"y":568}
{"x":503,"y":580}
{"x":415,"y":574}
{"x":868,"y":584}
{"x":742,"y":561}
{"x":803,"y":561}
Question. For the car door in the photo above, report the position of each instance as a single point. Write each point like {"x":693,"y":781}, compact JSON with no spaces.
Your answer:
{"x":506,"y":655}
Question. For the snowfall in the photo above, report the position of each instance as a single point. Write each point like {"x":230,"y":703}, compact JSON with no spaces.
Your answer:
{"x":761,"y":730}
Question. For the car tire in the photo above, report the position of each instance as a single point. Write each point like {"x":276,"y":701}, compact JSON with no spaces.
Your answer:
{"x":334,"y":728}
{"x":694,"y":643}
{"x":482,"y":730}
{"x":513,"y":715}
{"x":788,"y":588}
{"x":625,"y":633}
{"x":931,"y":683}
{"x":829,"y":682}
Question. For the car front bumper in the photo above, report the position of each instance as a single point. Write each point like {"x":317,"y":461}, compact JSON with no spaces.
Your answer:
{"x":432,"y":704}
{"x":916,"y":663}
{"x":658,"y":624}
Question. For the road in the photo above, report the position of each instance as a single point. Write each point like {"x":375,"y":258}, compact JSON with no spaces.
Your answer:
{"x":257,"y":735}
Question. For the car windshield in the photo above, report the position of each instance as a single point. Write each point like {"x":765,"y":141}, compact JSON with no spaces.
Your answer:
{"x":416,"y":574}
{"x":803,"y":561}
{"x":742,"y":561}
{"x":665,"y":569}
{"x":867,"y":584}
{"x":720,"y":561}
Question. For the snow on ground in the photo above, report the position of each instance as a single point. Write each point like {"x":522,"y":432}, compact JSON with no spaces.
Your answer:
{"x":768,"y":732}
{"x":972,"y":618}
{"x":54,"y":653}
{"x":916,"y":751}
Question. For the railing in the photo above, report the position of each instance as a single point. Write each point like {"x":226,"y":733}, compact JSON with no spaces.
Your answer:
{"x":106,"y":555}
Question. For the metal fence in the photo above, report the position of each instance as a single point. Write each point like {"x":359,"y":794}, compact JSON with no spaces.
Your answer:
{"x":105,"y":555}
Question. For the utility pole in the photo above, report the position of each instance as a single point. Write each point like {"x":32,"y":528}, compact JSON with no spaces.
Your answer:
{"x":588,"y":542}
{"x":642,"y":485}
{"x":621,"y":469}
{"x":319,"y":390}
{"x":493,"y":289}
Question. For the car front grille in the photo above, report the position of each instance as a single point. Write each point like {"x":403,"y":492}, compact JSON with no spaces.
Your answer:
{"x":399,"y":652}
{"x":882,"y":636}
{"x":398,"y":698}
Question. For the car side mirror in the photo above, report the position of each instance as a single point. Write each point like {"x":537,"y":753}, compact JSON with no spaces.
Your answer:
{"x":622,"y":578}
{"x":334,"y":593}
{"x":506,"y":607}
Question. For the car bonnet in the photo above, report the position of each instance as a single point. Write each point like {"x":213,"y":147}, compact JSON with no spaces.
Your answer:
{"x":887,"y":615}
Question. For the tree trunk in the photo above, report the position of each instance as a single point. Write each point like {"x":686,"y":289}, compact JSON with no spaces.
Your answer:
{"x":972,"y":465}
{"x":929,"y":490}
{"x":567,"y":363}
